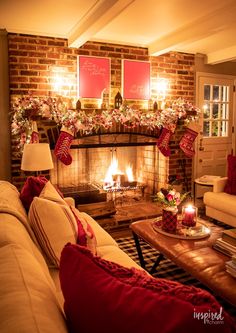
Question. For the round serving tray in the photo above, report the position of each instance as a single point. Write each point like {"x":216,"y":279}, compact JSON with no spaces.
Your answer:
{"x":201,"y":230}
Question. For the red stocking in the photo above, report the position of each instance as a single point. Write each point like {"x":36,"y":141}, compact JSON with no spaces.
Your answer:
{"x":163,"y":141}
{"x":186,"y":142}
{"x":63,"y":146}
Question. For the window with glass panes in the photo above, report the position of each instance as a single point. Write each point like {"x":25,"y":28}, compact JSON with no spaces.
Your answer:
{"x":216,"y":111}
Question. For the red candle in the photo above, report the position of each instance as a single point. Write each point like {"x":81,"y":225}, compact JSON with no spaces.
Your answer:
{"x":189,"y":216}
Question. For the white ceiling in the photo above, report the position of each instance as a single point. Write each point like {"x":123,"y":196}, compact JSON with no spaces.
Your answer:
{"x":206,"y":27}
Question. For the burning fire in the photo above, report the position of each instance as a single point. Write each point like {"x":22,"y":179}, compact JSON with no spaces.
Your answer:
{"x":114,"y":177}
{"x":112,"y":170}
{"x":129,"y":173}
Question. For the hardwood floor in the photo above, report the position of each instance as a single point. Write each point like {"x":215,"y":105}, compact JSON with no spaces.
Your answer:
{"x":126,"y":232}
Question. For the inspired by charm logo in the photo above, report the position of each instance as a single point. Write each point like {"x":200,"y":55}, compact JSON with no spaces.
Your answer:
{"x":210,"y":317}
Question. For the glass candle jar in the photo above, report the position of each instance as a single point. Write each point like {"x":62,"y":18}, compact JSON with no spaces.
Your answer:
{"x":189,"y":216}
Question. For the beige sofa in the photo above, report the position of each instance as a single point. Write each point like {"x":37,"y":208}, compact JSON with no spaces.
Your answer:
{"x":220,"y":205}
{"x":30,"y":296}
{"x":31,"y":299}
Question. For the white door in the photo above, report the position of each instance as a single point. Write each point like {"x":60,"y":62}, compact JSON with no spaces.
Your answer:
{"x":214,"y":142}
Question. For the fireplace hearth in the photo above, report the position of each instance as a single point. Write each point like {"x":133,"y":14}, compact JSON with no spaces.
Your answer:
{"x":86,"y":193}
{"x":113,"y":209}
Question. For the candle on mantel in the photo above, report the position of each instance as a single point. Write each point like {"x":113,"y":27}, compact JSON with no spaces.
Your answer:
{"x":189,"y":216}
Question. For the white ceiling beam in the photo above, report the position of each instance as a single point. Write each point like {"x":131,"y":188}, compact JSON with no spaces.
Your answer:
{"x":221,"y":55}
{"x":98,"y":16}
{"x":194,"y":31}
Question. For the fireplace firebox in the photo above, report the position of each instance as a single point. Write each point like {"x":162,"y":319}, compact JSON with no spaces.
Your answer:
{"x":123,"y":168}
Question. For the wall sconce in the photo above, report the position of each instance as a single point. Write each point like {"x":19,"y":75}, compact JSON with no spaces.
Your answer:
{"x":162,"y":85}
{"x":58,"y":84}
{"x":189,"y":216}
{"x":62,"y":82}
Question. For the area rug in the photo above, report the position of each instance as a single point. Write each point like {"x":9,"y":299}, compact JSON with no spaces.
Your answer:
{"x":166,"y":269}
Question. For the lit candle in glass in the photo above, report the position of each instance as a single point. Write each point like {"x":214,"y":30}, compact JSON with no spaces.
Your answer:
{"x":189,"y":216}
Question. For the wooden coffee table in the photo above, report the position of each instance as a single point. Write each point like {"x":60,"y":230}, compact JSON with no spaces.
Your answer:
{"x":196,"y":257}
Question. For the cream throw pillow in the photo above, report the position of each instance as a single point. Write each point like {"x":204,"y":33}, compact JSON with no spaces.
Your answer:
{"x":49,"y":192}
{"x":54,"y":226}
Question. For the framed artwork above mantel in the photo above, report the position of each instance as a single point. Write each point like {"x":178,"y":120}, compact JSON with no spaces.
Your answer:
{"x":93,"y":76}
{"x":135,"y":79}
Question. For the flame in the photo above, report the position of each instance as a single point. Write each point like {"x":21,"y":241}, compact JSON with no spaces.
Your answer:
{"x":129,"y":173}
{"x":112,"y":170}
{"x":113,"y":175}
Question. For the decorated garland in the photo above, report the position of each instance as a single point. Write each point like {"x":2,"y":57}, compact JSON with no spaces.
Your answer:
{"x":25,"y":110}
{"x":130,"y":117}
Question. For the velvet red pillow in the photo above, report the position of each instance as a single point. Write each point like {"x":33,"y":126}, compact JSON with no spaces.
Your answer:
{"x":230,"y":186}
{"x":102,"y":296}
{"x":32,"y":188}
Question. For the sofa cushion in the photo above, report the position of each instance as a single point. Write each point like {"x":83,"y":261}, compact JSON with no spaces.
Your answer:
{"x":11,"y":204}
{"x":230,"y":186}
{"x":28,"y":302}
{"x":54,"y":274}
{"x":54,"y":225}
{"x":115,"y":254}
{"x":13,"y":232}
{"x":221,"y":201}
{"x":129,"y":300}
{"x":10,"y":201}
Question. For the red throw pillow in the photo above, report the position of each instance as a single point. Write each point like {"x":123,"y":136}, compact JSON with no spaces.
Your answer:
{"x":230,"y":186}
{"x":32,"y":188}
{"x":101,"y":296}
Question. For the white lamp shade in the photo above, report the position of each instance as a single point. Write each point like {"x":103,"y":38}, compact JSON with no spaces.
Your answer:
{"x":36,"y":157}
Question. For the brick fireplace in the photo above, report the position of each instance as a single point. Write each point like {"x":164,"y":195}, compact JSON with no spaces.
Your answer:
{"x":33,"y":64}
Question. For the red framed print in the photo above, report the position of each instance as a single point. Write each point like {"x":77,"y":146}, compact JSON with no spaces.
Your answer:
{"x":136,"y":79}
{"x":93,"y":76}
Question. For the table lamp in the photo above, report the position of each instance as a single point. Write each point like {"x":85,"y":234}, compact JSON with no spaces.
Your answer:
{"x":36,"y":157}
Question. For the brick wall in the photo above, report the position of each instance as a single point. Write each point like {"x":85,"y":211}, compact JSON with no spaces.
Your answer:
{"x":35,"y":62}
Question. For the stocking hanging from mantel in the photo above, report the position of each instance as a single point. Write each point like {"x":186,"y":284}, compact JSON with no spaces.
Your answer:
{"x":62,"y":148}
{"x":164,"y":140}
{"x":187,"y":141}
